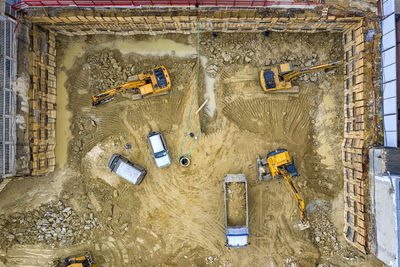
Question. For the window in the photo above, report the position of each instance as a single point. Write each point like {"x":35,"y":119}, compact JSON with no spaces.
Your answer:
{"x":348,"y":127}
{"x":349,"y":232}
{"x":348,"y":219}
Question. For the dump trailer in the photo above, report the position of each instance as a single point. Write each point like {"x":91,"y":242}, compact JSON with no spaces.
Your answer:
{"x":236,"y":210}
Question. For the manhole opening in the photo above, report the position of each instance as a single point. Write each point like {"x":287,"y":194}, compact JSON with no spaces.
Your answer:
{"x":184,"y":161}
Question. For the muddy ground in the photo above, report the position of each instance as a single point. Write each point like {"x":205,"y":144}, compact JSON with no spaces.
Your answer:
{"x":176,"y":216}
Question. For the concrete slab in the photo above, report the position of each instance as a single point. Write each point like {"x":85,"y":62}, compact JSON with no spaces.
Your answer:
{"x":386,"y":220}
{"x":385,"y":203}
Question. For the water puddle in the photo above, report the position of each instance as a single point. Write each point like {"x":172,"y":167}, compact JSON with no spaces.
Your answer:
{"x":63,"y":132}
{"x":209,"y":82}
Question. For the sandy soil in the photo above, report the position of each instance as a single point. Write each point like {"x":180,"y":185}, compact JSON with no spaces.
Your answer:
{"x":236,"y":204}
{"x":176,"y":216}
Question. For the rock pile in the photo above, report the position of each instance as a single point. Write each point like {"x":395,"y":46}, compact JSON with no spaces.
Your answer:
{"x":83,"y":129}
{"x":324,"y":234}
{"x":106,"y":71}
{"x":54,"y":224}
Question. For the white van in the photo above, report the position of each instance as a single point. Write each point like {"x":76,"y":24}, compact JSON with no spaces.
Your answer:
{"x":159,"y":149}
{"x":126,"y":169}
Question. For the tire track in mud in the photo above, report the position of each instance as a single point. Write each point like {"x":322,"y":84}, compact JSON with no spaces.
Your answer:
{"x":280,"y":119}
{"x":185,"y":212}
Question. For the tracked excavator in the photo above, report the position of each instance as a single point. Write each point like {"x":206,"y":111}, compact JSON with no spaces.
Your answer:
{"x":278,"y":163}
{"x":281,"y":77}
{"x":152,"y":82}
{"x":85,"y":260}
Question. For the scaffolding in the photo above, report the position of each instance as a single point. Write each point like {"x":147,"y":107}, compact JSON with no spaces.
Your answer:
{"x":7,"y":98}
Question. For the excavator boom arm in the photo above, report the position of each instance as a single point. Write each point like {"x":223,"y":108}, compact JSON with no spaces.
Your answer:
{"x":109,"y":94}
{"x":288,"y":77}
{"x":295,"y":191}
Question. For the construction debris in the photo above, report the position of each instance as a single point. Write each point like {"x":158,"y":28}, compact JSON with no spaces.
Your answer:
{"x":54,"y":224}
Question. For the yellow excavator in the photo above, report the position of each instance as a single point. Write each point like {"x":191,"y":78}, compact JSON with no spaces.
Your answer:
{"x":149,"y":83}
{"x":85,"y":260}
{"x":278,"y":163}
{"x":281,"y":77}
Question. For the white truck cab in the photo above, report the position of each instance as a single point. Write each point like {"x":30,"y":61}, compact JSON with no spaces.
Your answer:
{"x":159,"y":149}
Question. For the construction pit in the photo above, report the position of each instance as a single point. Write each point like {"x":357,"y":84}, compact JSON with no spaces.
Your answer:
{"x":176,"y":216}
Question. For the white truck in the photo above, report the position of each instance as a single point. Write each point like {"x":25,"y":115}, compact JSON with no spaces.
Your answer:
{"x":236,"y":210}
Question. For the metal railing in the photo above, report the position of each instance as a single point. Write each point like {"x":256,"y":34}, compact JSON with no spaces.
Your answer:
{"x":7,"y":98}
{"x":139,"y":3}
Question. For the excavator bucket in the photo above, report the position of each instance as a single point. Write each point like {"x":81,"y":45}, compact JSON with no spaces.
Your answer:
{"x":303,"y":225}
{"x":263,"y":172}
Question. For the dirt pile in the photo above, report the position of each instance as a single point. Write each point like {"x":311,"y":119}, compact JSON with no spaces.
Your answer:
{"x":236,"y":203}
{"x":54,"y":224}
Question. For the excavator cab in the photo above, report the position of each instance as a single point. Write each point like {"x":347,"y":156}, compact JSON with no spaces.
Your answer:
{"x":280,"y":158}
{"x":274,"y":79}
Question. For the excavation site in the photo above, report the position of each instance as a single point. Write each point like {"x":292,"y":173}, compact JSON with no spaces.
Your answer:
{"x":196,"y":135}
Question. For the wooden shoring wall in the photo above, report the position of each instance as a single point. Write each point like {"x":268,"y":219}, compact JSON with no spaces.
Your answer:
{"x":42,"y":104}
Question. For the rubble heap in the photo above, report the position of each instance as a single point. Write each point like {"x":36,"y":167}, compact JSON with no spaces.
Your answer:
{"x":106,"y":71}
{"x":54,"y":224}
{"x":324,"y":235}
